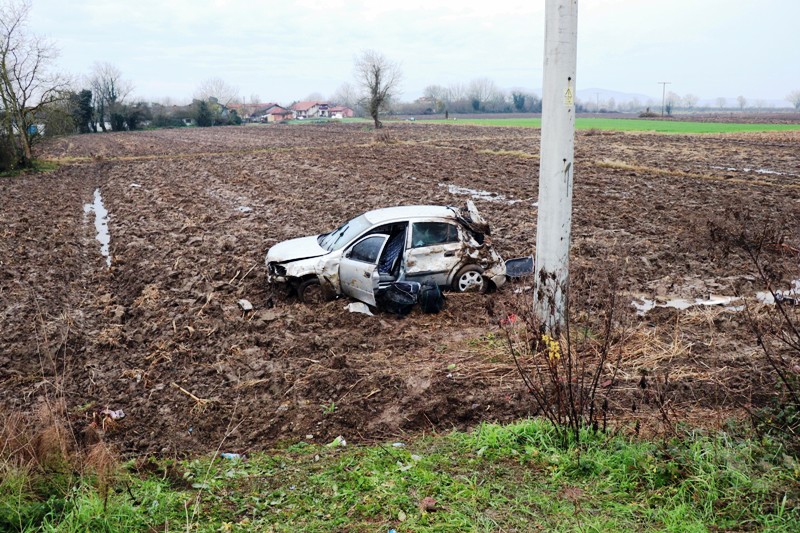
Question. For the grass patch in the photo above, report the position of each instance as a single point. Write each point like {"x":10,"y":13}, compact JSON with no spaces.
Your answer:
{"x":512,"y":153}
{"x":39,"y":166}
{"x":622,"y":165}
{"x":630,"y":124}
{"x":513,"y":477}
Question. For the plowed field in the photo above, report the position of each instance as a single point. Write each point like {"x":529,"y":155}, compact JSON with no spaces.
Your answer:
{"x":192,"y":212}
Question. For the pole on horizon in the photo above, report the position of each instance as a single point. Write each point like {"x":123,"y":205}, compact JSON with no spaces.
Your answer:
{"x":554,"y":221}
{"x":664,"y":94}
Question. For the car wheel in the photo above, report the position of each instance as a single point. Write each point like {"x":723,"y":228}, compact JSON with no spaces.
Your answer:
{"x":470,"y":279}
{"x":310,"y":292}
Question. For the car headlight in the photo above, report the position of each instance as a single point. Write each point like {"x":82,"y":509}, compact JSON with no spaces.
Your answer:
{"x":277,"y":270}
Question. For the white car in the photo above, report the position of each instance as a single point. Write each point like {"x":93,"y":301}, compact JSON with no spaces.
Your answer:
{"x":422,"y":243}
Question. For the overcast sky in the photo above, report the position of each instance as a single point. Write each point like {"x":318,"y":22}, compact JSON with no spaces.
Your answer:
{"x":285,"y":50}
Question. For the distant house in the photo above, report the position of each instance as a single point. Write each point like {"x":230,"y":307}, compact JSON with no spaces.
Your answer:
{"x":340,"y":112}
{"x":245,"y":110}
{"x":252,"y":112}
{"x":304,"y":110}
{"x":277,"y":113}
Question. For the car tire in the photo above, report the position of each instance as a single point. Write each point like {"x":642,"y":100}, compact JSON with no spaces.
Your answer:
{"x":470,"y":279}
{"x":310,"y":292}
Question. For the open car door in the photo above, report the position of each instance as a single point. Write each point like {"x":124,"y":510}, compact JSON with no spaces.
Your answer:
{"x":358,"y":268}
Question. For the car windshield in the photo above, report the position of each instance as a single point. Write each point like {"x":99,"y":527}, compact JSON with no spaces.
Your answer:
{"x":344,"y":233}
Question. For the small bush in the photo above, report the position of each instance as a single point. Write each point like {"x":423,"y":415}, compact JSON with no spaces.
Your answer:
{"x":570,"y":370}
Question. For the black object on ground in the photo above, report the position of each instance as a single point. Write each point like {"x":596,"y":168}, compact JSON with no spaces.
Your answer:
{"x":519,"y":267}
{"x":399,"y":297}
{"x":431,"y":299}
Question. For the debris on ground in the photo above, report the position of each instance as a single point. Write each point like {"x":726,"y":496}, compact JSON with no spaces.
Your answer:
{"x":113,"y":415}
{"x":338,"y":442}
{"x":359,"y":307}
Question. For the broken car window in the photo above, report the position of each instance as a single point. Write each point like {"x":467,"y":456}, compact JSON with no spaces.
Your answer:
{"x":432,"y":233}
{"x":368,"y":249}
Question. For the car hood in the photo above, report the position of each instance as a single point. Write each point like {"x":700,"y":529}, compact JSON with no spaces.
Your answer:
{"x":295,"y":250}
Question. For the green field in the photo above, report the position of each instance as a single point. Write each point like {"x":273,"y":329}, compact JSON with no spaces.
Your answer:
{"x":630,"y":124}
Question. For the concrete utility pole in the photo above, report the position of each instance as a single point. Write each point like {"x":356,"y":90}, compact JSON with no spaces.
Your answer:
{"x":554,"y":223}
{"x":664,"y":94}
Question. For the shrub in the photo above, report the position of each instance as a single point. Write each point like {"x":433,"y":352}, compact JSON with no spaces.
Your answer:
{"x":570,"y":371}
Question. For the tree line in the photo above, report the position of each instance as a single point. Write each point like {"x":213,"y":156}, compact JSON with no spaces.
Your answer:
{"x":36,"y":101}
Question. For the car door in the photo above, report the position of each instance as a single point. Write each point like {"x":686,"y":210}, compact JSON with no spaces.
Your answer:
{"x":435,"y":249}
{"x":358,"y":269}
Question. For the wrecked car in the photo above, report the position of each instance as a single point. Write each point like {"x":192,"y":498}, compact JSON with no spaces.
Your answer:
{"x":430,"y":244}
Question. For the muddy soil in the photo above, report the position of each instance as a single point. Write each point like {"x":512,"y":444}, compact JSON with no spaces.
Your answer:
{"x":192,"y":212}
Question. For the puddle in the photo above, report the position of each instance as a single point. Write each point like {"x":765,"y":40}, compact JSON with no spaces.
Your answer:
{"x":100,"y":224}
{"x":756,"y":171}
{"x":478,"y":194}
{"x":643,"y":305}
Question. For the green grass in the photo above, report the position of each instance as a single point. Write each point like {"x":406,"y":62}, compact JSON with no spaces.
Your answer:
{"x":512,"y":477}
{"x":631,"y":124}
{"x":39,"y":166}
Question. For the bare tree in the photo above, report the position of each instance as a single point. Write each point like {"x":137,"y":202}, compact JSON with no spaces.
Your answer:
{"x":379,"y":79}
{"x":481,"y":91}
{"x":438,"y":95}
{"x":435,"y":92}
{"x":110,"y":91}
{"x":742,"y":101}
{"x":27,"y":87}
{"x":690,"y":100}
{"x":218,"y":95}
{"x":794,"y":98}
{"x":346,"y":95}
{"x":216,"y":88}
{"x":456,"y":92}
{"x":673,"y":100}
{"x":722,"y":102}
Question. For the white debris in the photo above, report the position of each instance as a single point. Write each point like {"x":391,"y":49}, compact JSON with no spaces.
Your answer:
{"x":113,"y":415}
{"x":359,"y":307}
{"x":338,"y":442}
